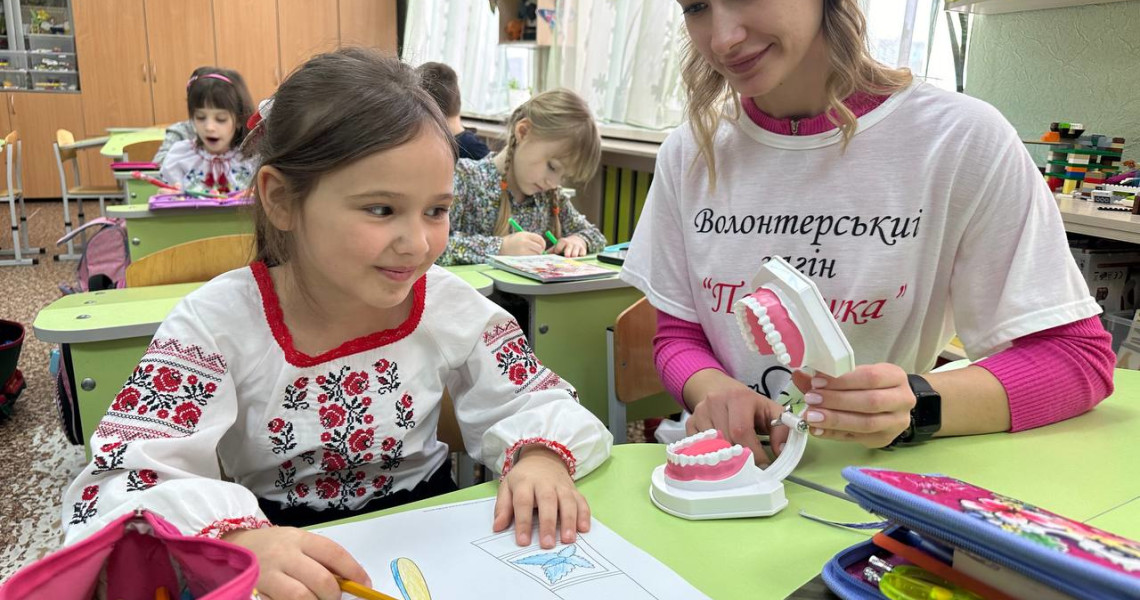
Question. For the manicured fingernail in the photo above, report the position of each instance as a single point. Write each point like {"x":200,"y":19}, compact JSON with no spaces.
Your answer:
{"x":548,"y":540}
{"x":813,"y":416}
{"x":781,"y":450}
{"x":816,"y":431}
{"x":811,"y":398}
{"x":568,"y":534}
{"x":818,"y":383}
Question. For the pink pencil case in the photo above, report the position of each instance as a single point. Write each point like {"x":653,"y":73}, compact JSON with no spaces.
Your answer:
{"x":131,"y":558}
{"x":134,"y":166}
{"x":160,"y":201}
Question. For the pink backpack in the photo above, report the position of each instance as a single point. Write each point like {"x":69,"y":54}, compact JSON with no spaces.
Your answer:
{"x":105,"y":257}
{"x":131,"y":558}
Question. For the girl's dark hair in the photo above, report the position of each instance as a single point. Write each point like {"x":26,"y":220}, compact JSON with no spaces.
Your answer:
{"x":232,"y":96}
{"x":335,"y":109}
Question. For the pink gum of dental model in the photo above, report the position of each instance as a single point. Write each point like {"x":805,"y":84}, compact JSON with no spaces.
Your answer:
{"x":723,"y":469}
{"x":790,"y":335}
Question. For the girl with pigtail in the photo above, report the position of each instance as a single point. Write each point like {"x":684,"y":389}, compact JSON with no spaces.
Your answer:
{"x":551,"y":139}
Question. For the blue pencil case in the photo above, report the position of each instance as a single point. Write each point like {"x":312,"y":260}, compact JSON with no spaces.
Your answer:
{"x":961,"y":524}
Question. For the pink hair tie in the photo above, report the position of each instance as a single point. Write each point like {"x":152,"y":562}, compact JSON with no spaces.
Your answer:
{"x":217,"y":76}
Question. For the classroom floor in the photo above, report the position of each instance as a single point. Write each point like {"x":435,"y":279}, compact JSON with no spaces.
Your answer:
{"x":38,"y":462}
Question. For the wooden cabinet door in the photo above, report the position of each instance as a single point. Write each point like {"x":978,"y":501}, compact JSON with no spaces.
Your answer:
{"x":370,"y":23}
{"x":37,"y":117}
{"x":306,"y":28}
{"x":245,"y":34}
{"x":111,"y":43}
{"x":181,"y":39}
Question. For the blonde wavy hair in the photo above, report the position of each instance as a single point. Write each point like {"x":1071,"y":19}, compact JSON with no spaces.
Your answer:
{"x":557,"y":114}
{"x":852,"y":70}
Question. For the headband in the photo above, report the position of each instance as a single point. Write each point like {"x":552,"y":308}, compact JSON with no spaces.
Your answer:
{"x":217,"y":76}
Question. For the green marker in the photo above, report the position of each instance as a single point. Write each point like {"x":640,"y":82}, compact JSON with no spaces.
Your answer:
{"x":515,"y":224}
{"x":550,"y":236}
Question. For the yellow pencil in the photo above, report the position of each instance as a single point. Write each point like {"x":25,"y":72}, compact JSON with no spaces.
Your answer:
{"x":360,"y":591}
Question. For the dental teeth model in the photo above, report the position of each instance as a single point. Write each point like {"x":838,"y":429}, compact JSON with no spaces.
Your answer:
{"x":705,"y":477}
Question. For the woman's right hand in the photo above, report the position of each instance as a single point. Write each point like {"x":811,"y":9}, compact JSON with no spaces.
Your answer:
{"x":297,"y":564}
{"x":723,"y":403}
{"x":522,"y":243}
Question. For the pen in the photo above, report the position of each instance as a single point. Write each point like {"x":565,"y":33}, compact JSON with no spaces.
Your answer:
{"x":550,"y":236}
{"x":515,"y":224}
{"x":360,"y":591}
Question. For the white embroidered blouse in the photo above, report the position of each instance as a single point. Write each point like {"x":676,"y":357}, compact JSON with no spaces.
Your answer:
{"x":195,"y":168}
{"x":223,"y":410}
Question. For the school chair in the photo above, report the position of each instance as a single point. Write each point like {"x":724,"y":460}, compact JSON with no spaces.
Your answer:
{"x":630,"y":373}
{"x":66,"y":153}
{"x":190,"y":262}
{"x":21,"y":247}
{"x":141,"y":151}
{"x":448,"y":432}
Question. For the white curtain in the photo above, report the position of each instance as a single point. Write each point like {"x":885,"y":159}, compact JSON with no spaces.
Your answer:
{"x":465,"y":35}
{"x":623,"y":57}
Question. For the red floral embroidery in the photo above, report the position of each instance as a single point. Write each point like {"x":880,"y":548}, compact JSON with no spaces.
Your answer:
{"x":517,"y":374}
{"x":282,"y":439}
{"x":167,"y":380}
{"x":84,"y":510}
{"x":301,"y":490}
{"x":223,"y":526}
{"x":109,"y":458}
{"x":332,"y":416}
{"x":328,"y":488}
{"x":127,"y":399}
{"x":563,"y":452}
{"x":404,"y":413}
{"x":513,"y":355}
{"x":331,"y":461}
{"x":360,"y":440}
{"x":141,"y":480}
{"x":387,"y":376}
{"x":356,"y":383}
{"x":276,"y":425}
{"x":187,"y":414}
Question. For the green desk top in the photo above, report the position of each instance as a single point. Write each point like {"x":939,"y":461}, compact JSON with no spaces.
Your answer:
{"x":1074,"y":468}
{"x":101,"y":316}
{"x":129,"y":175}
{"x":142,"y":211}
{"x":517,"y":284}
{"x":120,"y":139}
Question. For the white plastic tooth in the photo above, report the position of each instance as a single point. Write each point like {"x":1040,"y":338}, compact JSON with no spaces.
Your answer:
{"x":723,"y":454}
{"x":671,"y":457}
{"x":779,"y":348}
{"x":704,"y":459}
{"x":785,"y":359}
{"x":773,"y":338}
{"x":737,"y":450}
{"x":769,"y":328}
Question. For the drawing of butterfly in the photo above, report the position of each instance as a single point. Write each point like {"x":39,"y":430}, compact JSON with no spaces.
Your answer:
{"x":557,"y":565}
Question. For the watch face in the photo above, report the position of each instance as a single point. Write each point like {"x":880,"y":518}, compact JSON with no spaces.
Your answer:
{"x":927,"y":413}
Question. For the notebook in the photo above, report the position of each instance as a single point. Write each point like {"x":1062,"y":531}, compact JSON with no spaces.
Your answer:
{"x":549,"y":268}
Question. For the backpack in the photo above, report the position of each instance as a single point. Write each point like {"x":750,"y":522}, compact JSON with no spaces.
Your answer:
{"x":66,"y":402}
{"x":103,"y":265}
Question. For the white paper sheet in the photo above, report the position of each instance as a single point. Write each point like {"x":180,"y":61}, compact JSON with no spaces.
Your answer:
{"x":459,"y":557}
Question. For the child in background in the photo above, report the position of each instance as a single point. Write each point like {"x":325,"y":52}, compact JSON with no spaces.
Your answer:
{"x":306,"y":387}
{"x":442,"y":83}
{"x":219,"y":104}
{"x":551,"y":138}
{"x":182,"y":130}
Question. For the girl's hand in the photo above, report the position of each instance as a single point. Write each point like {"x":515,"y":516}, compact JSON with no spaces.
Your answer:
{"x":541,"y":479}
{"x":298,"y":564}
{"x":522,"y":243}
{"x":571,"y":246}
{"x":870,"y":405}
{"x":738,"y":412}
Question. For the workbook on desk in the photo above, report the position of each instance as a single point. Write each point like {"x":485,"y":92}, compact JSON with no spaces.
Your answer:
{"x":549,"y":268}
{"x":449,"y":551}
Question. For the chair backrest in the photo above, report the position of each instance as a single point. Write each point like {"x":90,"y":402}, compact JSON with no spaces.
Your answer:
{"x":142,"y":151}
{"x":448,"y":429}
{"x":199,"y":260}
{"x":65,"y":138}
{"x":635,"y":376}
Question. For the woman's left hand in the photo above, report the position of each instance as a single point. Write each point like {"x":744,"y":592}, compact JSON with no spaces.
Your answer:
{"x":541,"y":479}
{"x":870,"y":405}
{"x":571,"y":246}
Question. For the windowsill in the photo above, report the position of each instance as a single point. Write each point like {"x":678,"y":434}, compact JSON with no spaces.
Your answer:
{"x":617,"y":138}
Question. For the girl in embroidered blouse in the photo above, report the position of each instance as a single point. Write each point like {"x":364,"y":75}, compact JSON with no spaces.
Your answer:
{"x":551,"y":138}
{"x":307,"y":386}
{"x":219,"y":104}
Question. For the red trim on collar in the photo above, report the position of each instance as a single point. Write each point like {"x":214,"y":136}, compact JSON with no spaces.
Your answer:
{"x":271,"y":306}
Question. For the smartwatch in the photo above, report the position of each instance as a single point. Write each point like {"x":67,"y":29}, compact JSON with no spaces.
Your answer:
{"x":925,"y":417}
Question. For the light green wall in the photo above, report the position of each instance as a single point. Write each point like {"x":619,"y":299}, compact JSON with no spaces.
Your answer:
{"x":1078,"y":64}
